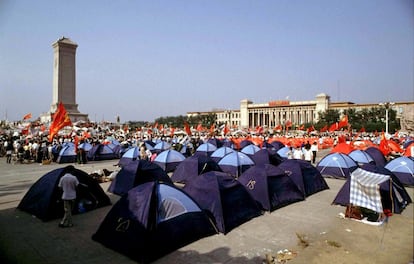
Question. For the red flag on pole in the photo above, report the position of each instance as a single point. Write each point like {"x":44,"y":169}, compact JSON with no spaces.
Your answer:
{"x":27,"y":116}
{"x":60,"y":120}
{"x":343,"y":122}
{"x":226,"y":130}
{"x":383,"y":145}
{"x":187,"y":128}
{"x":333,"y":127}
{"x":212,"y":128}
{"x":199,"y":128}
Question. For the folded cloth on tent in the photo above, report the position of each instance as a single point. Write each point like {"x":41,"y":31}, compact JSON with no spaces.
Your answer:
{"x":365,"y":189}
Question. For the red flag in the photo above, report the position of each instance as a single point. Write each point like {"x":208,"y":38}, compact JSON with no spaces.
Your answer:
{"x":324,"y":129}
{"x":278,"y":127}
{"x":212,"y":128}
{"x":226,"y":130}
{"x":60,"y":120}
{"x":383,"y":146}
{"x":362,"y":129}
{"x":310,"y":129}
{"x":199,"y":128}
{"x":27,"y":116}
{"x":259,"y":129}
{"x":333,"y":127}
{"x":343,"y":122}
{"x":187,"y":128}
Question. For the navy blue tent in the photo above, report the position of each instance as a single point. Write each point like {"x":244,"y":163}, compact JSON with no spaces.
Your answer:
{"x":336,"y":165}
{"x":235,"y":163}
{"x":152,"y":220}
{"x":244,"y":143}
{"x":403,"y":168}
{"x":193,"y":166}
{"x":270,"y":186}
{"x":44,"y":198}
{"x":361,"y":157}
{"x":305,"y":175}
{"x":206,"y":149}
{"x":277,"y":144}
{"x":219,"y":153}
{"x":101,"y":152}
{"x":260,"y":157}
{"x":394,"y":199}
{"x":215,"y":141}
{"x":169,"y":159}
{"x":377,"y":155}
{"x":137,"y":172}
{"x":67,"y":153}
{"x":225,"y":198}
{"x":130,"y":155}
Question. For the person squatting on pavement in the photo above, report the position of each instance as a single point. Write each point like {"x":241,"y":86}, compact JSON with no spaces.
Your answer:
{"x":68,"y":182}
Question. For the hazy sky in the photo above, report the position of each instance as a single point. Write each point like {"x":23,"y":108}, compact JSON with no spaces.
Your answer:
{"x":146,"y":59}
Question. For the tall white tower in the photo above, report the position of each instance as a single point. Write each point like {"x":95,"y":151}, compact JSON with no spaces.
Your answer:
{"x":64,"y":78}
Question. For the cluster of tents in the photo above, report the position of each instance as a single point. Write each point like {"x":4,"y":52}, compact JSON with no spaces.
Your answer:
{"x":174,"y":199}
{"x":67,"y":152}
{"x":343,"y":160}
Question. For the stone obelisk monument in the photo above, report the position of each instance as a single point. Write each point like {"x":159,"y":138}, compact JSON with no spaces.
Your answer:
{"x":64,"y":78}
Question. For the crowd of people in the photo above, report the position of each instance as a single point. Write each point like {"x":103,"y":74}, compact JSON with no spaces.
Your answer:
{"x":24,"y":149}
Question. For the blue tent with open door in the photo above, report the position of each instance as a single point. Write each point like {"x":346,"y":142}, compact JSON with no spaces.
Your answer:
{"x":44,"y":198}
{"x":152,"y":220}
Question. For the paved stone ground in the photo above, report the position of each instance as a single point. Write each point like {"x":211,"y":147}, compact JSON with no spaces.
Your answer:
{"x":26,"y":239}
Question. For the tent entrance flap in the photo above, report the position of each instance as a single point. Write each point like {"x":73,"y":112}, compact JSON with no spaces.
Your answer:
{"x":172,"y":203}
{"x":365,"y":189}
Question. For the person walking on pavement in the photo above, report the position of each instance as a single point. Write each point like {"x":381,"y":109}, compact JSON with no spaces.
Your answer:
{"x":9,"y":150}
{"x":68,"y":182}
{"x":314,"y":149}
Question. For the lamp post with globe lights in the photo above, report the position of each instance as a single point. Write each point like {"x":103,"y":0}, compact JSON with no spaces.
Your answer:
{"x":387,"y":106}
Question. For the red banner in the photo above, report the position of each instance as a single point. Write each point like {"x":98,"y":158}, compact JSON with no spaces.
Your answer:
{"x":60,"y":120}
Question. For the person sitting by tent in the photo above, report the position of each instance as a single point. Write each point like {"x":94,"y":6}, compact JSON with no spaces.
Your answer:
{"x":68,"y":182}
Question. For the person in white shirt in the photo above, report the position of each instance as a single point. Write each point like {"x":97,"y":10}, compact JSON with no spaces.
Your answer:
{"x":307,"y":154}
{"x":68,"y":182}
{"x":314,"y":149}
{"x":297,"y":153}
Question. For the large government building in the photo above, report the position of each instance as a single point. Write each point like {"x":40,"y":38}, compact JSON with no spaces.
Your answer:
{"x":276,"y":113}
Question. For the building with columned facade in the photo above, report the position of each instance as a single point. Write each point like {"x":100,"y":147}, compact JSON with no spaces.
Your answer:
{"x":278,"y":112}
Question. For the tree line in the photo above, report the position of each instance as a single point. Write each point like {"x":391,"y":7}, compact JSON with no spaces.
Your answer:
{"x":370,"y":120}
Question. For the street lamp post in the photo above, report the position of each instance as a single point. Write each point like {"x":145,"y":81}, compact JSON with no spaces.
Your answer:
{"x":387,"y":106}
